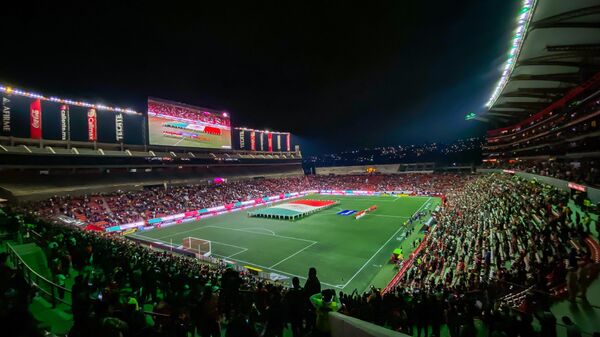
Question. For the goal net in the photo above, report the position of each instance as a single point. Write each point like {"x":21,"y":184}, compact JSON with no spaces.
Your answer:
{"x":200,"y":246}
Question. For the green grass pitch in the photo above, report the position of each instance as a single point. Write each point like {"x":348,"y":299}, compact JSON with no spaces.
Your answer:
{"x":348,"y":253}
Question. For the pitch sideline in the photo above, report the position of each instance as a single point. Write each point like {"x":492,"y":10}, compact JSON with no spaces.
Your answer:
{"x":382,"y":246}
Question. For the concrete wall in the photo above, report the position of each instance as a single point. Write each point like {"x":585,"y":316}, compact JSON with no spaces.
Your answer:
{"x":593,"y":193}
{"x":346,"y":326}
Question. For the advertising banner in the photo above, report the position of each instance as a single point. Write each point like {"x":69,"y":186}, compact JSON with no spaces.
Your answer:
{"x":119,"y":130}
{"x":242,"y":140}
{"x":65,"y":123}
{"x":252,"y":140}
{"x":262,"y":142}
{"x":270,"y":142}
{"x":278,"y":142}
{"x":5,"y":116}
{"x":92,"y":126}
{"x":35,"y":119}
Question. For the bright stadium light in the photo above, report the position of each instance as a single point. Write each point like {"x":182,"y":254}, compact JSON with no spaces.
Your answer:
{"x":470,"y":116}
{"x":525,"y":16}
{"x":11,"y":91}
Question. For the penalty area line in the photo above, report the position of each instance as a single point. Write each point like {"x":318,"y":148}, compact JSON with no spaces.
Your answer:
{"x":175,"y":244}
{"x":296,"y":253}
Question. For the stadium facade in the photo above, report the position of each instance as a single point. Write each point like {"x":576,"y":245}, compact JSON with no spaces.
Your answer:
{"x":504,"y":240}
{"x":51,"y":145}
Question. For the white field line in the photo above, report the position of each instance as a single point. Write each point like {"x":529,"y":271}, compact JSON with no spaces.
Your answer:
{"x":234,"y":254}
{"x":390,"y":216}
{"x":242,"y":249}
{"x":276,"y":235}
{"x":282,"y":272}
{"x":230,"y":257}
{"x":339,"y":286}
{"x":264,"y":229}
{"x":385,"y":244}
{"x":171,"y":243}
{"x":235,"y":229}
{"x":296,"y":253}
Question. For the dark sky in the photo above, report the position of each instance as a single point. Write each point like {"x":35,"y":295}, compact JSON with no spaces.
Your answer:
{"x":337,"y":75}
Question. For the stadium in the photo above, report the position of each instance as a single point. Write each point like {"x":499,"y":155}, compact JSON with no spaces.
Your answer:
{"x":164,"y":217}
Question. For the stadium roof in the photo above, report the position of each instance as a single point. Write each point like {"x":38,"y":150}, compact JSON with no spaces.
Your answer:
{"x":556,"y":46}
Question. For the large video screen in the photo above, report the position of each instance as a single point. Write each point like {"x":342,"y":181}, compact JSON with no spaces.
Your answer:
{"x":176,"y":124}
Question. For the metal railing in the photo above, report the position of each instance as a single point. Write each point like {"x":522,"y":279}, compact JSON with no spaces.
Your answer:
{"x":48,"y":289}
{"x":53,"y":292}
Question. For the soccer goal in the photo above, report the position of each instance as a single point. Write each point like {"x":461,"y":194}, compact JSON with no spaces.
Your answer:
{"x":200,"y":246}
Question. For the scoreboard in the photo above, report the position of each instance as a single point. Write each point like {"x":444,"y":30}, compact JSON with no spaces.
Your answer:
{"x":261,"y":140}
{"x":29,"y":115}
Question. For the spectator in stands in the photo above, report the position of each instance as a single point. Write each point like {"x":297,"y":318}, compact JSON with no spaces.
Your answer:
{"x":208,"y":324}
{"x":15,"y":297}
{"x":240,"y":325}
{"x":324,"y":303}
{"x":275,"y":315}
{"x":230,"y":283}
{"x":525,"y":226}
{"x":295,"y":302}
{"x":105,"y":210}
{"x":311,"y":286}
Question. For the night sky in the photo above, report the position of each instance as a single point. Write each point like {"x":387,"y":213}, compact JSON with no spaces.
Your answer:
{"x":338,"y":75}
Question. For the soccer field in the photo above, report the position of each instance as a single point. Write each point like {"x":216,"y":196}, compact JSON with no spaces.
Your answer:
{"x":347,"y":253}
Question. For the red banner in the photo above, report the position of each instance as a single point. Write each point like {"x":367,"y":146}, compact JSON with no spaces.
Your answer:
{"x":91,"y":122}
{"x":35,"y":119}
{"x":252,"y":140}
{"x":289,"y":142}
{"x":270,"y":142}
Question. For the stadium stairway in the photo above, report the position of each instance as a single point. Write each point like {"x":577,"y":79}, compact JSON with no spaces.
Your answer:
{"x":58,"y":320}
{"x":105,"y":205}
{"x":584,"y":312}
{"x":34,"y":257}
{"x":373,"y":180}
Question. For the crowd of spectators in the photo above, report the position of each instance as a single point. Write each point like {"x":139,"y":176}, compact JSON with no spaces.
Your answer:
{"x":124,"y":207}
{"x":562,"y":132}
{"x":557,"y":126}
{"x":466,"y":150}
{"x":496,"y":234}
{"x":579,"y":171}
{"x":185,"y":113}
{"x":119,"y":284}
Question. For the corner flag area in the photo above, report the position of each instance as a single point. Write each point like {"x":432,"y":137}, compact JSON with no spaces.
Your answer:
{"x":347,"y":253}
